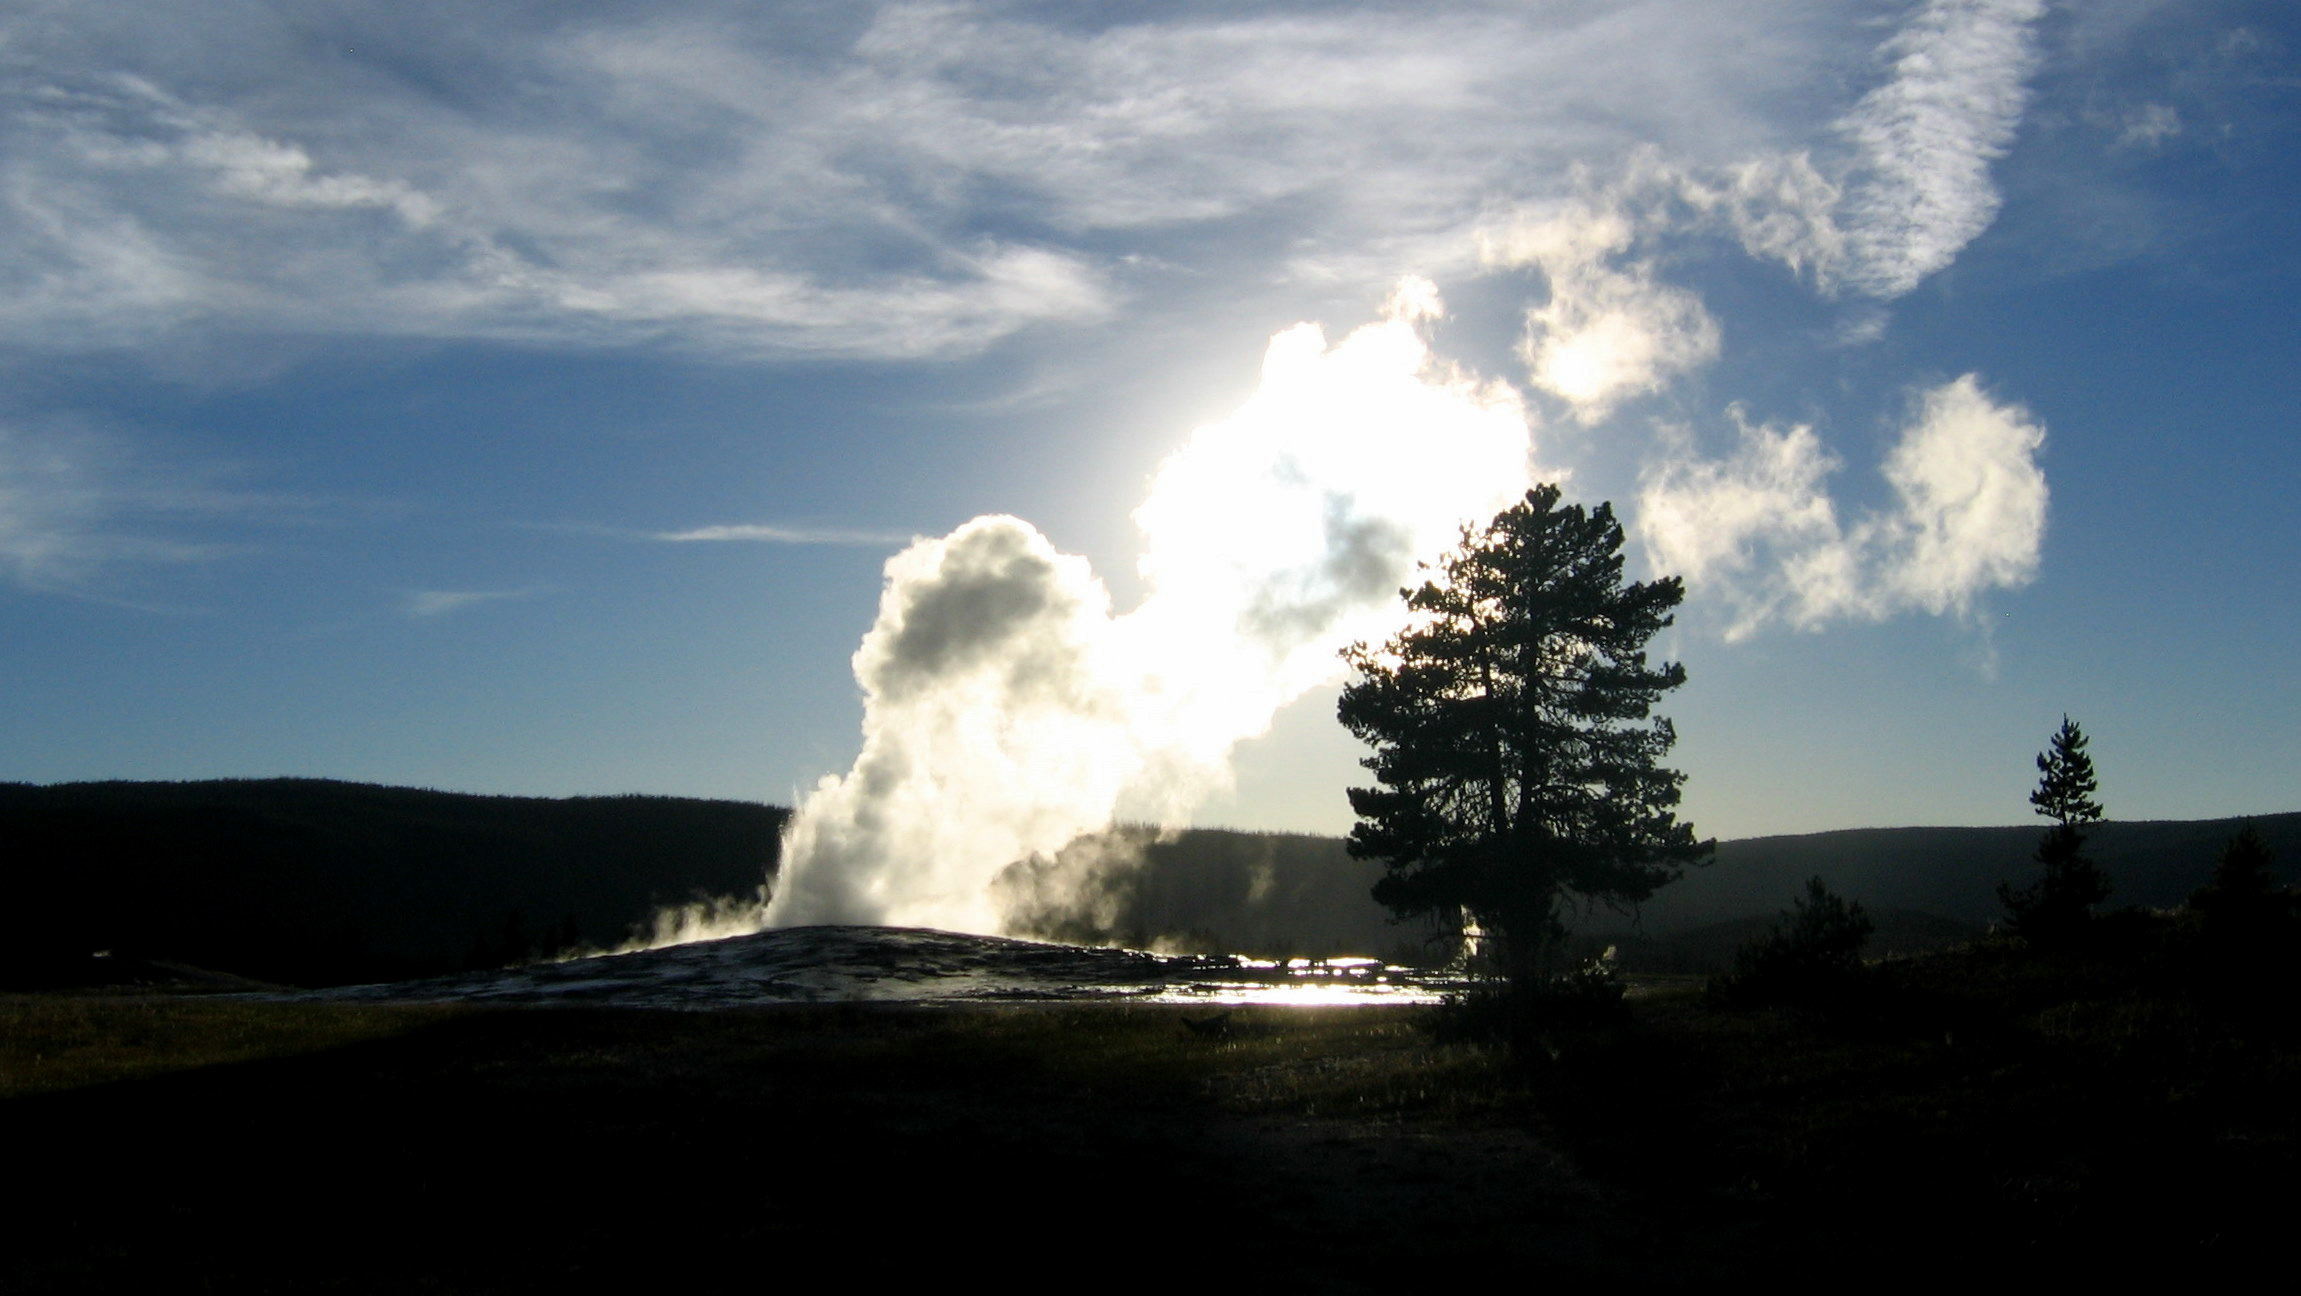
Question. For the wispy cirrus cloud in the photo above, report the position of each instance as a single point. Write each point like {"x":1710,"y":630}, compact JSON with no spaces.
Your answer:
{"x":2149,"y":125}
{"x":426,"y":604}
{"x":918,"y":179}
{"x":1913,"y":192}
{"x":926,"y":179}
{"x":762,"y":533}
{"x":1926,"y":137}
{"x":81,"y":511}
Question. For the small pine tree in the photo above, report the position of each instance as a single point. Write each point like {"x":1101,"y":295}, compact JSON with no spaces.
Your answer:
{"x":1813,"y":957}
{"x":2065,"y":783}
{"x":2055,"y":908}
{"x":2243,"y":905}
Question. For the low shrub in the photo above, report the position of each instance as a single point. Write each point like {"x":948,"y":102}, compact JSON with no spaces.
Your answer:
{"x":1588,"y":995}
{"x":1812,"y":959}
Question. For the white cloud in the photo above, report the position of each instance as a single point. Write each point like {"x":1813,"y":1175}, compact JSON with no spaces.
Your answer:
{"x":1758,"y":524}
{"x":273,"y":174}
{"x":78,"y":509}
{"x":1972,"y":499}
{"x":1611,"y":330}
{"x":1782,"y":209}
{"x":903,"y":316}
{"x":423,"y":604}
{"x":769,"y":534}
{"x":1758,"y":531}
{"x":125,"y":211}
{"x":47,"y":508}
{"x":1914,"y":192}
{"x":2149,"y":126}
{"x":922,"y":179}
{"x":1921,"y":189}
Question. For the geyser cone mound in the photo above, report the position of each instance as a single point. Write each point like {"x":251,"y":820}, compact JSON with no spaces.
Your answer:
{"x":897,"y":964}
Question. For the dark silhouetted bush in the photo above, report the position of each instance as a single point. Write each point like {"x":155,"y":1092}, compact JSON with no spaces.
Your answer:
{"x":2244,"y":891}
{"x":1813,"y":958}
{"x":1499,"y":1010}
{"x":2244,"y":921}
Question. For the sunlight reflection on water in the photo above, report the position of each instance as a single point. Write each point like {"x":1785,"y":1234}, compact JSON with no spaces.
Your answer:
{"x":912,"y":965}
{"x":1302,"y":994}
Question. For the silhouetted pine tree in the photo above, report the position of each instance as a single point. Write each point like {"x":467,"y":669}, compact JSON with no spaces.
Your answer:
{"x":2245,"y":914}
{"x":2055,"y":908}
{"x":1517,"y":759}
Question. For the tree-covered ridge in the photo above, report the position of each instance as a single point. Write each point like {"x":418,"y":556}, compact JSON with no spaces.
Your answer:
{"x":311,"y":880}
{"x":314,"y":881}
{"x":1217,"y":891}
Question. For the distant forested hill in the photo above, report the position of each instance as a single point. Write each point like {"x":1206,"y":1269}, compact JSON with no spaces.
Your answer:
{"x":312,"y":881}
{"x":1283,"y":893}
{"x":1954,"y":872}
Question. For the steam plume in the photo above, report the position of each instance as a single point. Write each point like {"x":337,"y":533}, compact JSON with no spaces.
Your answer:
{"x":1007,"y":709}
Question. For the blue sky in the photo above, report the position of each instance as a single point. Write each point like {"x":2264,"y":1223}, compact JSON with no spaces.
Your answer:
{"x":530,"y":400}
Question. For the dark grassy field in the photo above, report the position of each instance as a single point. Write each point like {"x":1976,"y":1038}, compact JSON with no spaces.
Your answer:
{"x":1980,"y":1113}
{"x":231,"y":1146}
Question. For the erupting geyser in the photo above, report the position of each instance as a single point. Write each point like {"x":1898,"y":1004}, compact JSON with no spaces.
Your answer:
{"x":1007,"y":709}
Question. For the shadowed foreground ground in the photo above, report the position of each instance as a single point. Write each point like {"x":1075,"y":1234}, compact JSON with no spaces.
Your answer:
{"x":525,"y":1150}
{"x":190,"y":1144}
